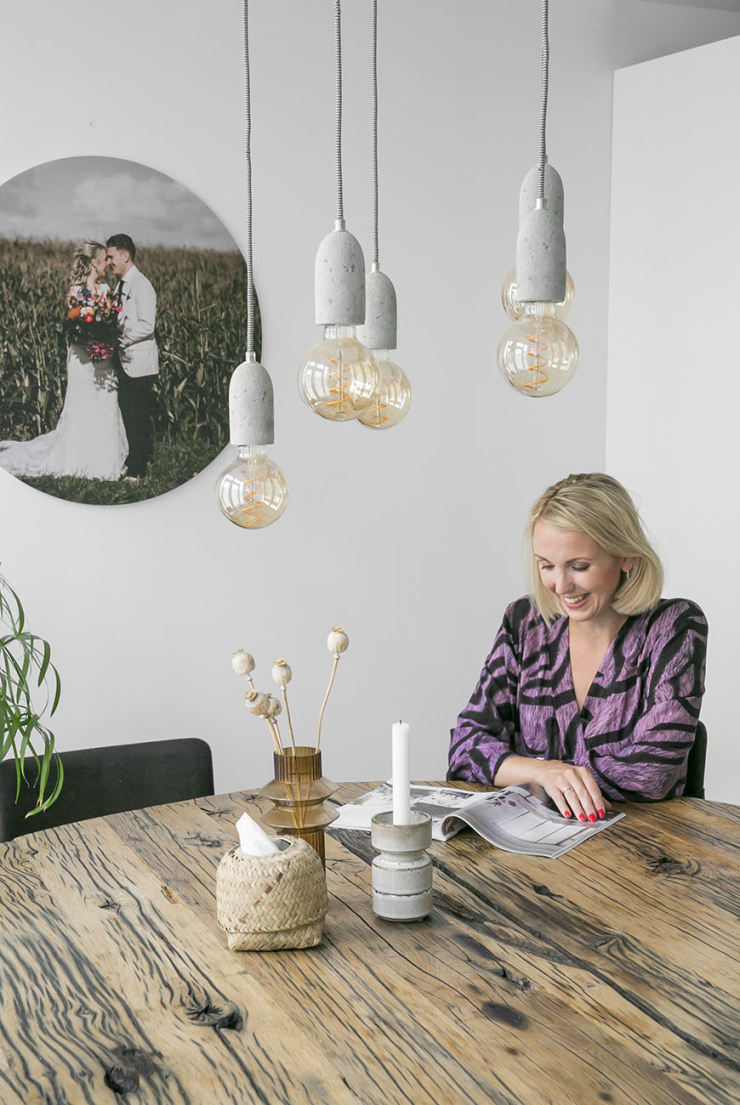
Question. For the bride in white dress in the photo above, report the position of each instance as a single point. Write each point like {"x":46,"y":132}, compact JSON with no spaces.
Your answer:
{"x":89,"y":439}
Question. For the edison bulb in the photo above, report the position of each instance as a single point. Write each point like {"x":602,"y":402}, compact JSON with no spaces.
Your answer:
{"x":392,"y":398}
{"x":538,"y":355}
{"x":515,"y":309}
{"x":252,"y":490}
{"x":338,"y":377}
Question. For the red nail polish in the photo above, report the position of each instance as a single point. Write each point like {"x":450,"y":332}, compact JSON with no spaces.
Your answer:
{"x":567,"y":813}
{"x":582,"y":816}
{"x":600,"y":813}
{"x":592,"y":817}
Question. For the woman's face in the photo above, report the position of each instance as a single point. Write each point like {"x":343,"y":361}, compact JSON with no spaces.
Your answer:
{"x":100,"y":261}
{"x":582,"y":575}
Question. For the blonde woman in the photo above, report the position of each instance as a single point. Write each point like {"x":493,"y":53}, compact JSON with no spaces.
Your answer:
{"x":89,"y":439}
{"x":593,"y":687}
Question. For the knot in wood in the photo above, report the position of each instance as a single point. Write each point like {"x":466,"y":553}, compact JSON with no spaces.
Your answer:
{"x":668,"y":865}
{"x":122,"y":1079}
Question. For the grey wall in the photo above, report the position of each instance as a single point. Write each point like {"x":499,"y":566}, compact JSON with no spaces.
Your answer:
{"x":410,"y":539}
{"x":674,"y":385}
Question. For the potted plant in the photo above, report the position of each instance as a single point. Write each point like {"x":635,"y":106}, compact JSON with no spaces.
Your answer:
{"x":26,"y":668}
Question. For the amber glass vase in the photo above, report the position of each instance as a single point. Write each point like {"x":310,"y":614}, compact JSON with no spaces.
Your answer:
{"x":298,"y":793}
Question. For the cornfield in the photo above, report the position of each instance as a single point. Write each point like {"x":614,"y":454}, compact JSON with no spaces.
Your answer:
{"x":201,"y":333}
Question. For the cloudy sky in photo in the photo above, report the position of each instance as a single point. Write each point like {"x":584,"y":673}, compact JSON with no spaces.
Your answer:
{"x":94,"y":197}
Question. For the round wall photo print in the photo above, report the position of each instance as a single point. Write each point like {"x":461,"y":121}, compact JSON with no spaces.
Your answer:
{"x":123,"y":311}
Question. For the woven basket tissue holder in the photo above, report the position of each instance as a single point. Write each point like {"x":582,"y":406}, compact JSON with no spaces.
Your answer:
{"x":265,"y":903}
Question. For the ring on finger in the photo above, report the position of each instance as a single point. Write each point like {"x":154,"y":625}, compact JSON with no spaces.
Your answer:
{"x":566,"y":789}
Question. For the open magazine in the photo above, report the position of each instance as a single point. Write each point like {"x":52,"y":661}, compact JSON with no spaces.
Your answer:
{"x":514,"y":818}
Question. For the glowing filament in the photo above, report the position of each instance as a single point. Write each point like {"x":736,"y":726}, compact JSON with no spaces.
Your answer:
{"x":375,"y":415}
{"x":252,"y":497}
{"x":341,"y":376}
{"x":539,"y":360}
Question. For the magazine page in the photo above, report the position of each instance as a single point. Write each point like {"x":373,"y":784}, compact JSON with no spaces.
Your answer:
{"x":439,"y":802}
{"x":517,"y":821}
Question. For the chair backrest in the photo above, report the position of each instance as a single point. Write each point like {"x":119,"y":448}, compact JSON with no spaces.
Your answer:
{"x":696,"y":763}
{"x":100,"y":781}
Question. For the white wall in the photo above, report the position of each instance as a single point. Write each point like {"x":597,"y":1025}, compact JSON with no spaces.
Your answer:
{"x":674,"y":371}
{"x":410,"y":538}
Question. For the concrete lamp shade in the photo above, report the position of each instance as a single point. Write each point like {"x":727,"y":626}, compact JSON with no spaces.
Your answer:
{"x":251,"y":405}
{"x":540,"y":258}
{"x":340,"y":279}
{"x":529,"y":192}
{"x":381,"y":314}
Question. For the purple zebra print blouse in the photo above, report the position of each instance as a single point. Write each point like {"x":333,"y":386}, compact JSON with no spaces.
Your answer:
{"x":638,"y":720}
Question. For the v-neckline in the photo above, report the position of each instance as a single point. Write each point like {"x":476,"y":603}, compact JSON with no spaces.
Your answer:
{"x":604,"y":658}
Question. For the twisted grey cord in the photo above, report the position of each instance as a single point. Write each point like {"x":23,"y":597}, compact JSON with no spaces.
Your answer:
{"x":543,"y":106}
{"x":248,"y":107}
{"x":338,"y":49}
{"x":376,"y":250}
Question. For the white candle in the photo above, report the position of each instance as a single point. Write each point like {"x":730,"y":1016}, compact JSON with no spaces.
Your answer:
{"x":401,"y":778}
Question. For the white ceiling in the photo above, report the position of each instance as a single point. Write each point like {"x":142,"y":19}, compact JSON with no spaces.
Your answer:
{"x":717,"y":5}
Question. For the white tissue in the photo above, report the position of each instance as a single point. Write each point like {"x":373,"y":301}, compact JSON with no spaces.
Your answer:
{"x":253,"y":840}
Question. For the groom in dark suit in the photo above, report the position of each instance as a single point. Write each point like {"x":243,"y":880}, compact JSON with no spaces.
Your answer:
{"x":139,"y":357}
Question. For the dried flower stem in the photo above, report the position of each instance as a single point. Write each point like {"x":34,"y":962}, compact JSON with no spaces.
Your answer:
{"x":287,"y":714}
{"x":275,"y":722}
{"x":275,"y":735}
{"x":326,"y":699}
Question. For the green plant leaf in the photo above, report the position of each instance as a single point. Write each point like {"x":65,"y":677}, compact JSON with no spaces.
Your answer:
{"x":11,"y":725}
{"x":18,"y":776}
{"x":17,"y":688}
{"x":20,"y":618}
{"x":45,"y":763}
{"x":57,"y":689}
{"x":46,"y":659}
{"x":44,"y":805}
{"x":27,"y":656}
{"x":26,"y":746}
{"x":21,"y":654}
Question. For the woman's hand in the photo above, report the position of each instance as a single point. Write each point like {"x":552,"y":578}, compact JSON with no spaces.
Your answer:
{"x":572,"y":788}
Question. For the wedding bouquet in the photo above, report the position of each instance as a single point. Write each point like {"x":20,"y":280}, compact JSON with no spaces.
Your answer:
{"x":92,"y":321}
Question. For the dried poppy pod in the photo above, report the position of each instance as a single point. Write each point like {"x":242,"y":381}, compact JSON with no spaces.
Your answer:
{"x":242,"y":662}
{"x":281,"y":672}
{"x":258,"y":703}
{"x":337,"y":642}
{"x":274,"y":707}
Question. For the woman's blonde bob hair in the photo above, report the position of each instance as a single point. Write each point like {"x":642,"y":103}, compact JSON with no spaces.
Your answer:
{"x":598,"y":505}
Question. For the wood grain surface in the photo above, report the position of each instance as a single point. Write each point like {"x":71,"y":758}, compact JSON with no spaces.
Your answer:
{"x":609,"y":975}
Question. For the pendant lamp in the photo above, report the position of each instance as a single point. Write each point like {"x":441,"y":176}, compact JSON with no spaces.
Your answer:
{"x":338,"y":376}
{"x":392,"y":398}
{"x":538,"y":355}
{"x":252,"y":490}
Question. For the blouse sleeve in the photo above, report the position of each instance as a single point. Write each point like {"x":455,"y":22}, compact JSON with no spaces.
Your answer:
{"x":653,"y":764}
{"x":484,"y":735}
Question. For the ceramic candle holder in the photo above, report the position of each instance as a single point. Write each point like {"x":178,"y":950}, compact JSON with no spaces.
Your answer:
{"x":402,"y":873}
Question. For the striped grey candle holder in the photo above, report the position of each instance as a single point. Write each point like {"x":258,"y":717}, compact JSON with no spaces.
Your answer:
{"x":402,"y":873}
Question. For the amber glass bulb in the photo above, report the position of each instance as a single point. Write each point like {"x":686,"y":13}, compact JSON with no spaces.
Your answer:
{"x":391,"y":399}
{"x":515,"y":309}
{"x":538,"y":355}
{"x":338,"y":376}
{"x":252,"y":490}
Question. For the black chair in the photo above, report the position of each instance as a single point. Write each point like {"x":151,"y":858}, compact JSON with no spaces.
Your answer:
{"x":696,"y":763}
{"x":100,"y":781}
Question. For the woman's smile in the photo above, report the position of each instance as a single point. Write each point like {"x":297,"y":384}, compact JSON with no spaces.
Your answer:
{"x":574,"y":602}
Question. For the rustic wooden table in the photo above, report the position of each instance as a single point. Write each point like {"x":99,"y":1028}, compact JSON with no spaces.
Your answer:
{"x":610,"y":975}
